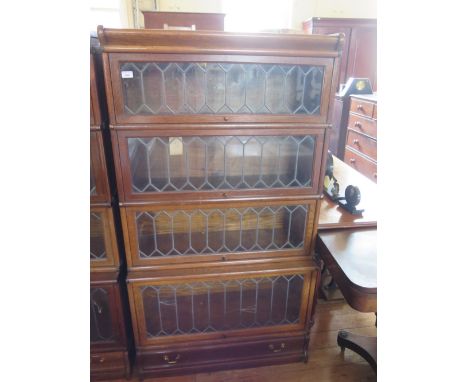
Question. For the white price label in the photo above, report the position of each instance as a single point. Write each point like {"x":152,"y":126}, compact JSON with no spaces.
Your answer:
{"x":176,"y":147}
{"x":127,"y":74}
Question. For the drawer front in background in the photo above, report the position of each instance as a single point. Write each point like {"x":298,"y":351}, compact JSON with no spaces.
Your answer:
{"x":267,"y":162}
{"x":105,"y":315}
{"x":361,"y":107}
{"x":181,"y":356}
{"x":217,"y":231}
{"x":365,"y":166}
{"x":363,"y":144}
{"x":149,"y":87}
{"x":99,"y":186}
{"x":363,"y":125}
{"x":218,"y":306}
{"x":103,"y":244}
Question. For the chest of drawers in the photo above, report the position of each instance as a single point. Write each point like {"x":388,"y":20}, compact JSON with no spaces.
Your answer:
{"x":219,"y":141}
{"x":361,"y":141}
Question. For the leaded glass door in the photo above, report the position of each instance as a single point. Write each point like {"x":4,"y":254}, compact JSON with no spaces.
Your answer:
{"x":103,"y":246}
{"x":155,"y":164}
{"x":157,"y":88}
{"x":104,"y":328}
{"x":99,"y":186}
{"x":209,"y":306}
{"x":218,"y":231}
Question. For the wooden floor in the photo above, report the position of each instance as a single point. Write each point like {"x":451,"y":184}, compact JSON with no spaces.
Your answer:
{"x":326,"y":362}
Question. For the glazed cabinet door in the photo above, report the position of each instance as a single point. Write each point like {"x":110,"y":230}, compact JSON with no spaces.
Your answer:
{"x":228,"y":162}
{"x":105,"y":309}
{"x":99,"y":186}
{"x":103,"y":244}
{"x":221,"y":305}
{"x":152,"y":88}
{"x":95,"y":113}
{"x":217,"y":231}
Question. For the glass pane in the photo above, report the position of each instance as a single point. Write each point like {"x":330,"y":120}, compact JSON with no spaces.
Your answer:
{"x":209,"y":306}
{"x":101,"y":321}
{"x":220,"y":162}
{"x":219,"y":88}
{"x":191,"y":232}
{"x":97,"y":245}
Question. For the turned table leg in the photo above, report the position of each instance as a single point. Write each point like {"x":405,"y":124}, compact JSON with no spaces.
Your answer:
{"x":365,"y":346}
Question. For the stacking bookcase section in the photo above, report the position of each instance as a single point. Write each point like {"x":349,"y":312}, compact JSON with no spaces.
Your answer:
{"x":108,"y":343}
{"x":218,"y":161}
{"x":219,"y":143}
{"x":222,"y":316}
{"x":103,"y":243}
{"x":218,"y":231}
{"x":109,"y":355}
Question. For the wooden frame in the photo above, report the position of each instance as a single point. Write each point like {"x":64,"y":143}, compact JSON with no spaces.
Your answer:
{"x":110,"y":241}
{"x":131,"y":241}
{"x":304,"y":268}
{"x":120,"y":148}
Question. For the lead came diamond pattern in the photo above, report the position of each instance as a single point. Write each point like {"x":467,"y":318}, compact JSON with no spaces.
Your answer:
{"x":221,"y":88}
{"x":220,"y":162}
{"x":210,"y":306}
{"x":192,"y":232}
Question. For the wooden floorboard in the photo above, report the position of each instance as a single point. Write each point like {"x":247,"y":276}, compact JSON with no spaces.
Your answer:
{"x":326,"y":361}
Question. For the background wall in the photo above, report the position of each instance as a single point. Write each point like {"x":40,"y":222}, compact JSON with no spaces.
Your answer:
{"x":299,"y":10}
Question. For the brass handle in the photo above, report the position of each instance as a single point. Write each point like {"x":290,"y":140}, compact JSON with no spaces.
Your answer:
{"x":356,"y":141}
{"x":352,"y":160}
{"x":101,"y":360}
{"x":358,"y":125}
{"x":226,"y":118}
{"x":360,"y":107}
{"x":167,"y":359}
{"x":225,"y":195}
{"x":281,"y":347}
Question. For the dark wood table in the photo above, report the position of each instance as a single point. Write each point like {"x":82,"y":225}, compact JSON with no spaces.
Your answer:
{"x":347,"y":245}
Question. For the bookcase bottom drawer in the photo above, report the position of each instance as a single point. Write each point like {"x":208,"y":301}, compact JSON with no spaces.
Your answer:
{"x":183,"y":359}
{"x":109,"y":365}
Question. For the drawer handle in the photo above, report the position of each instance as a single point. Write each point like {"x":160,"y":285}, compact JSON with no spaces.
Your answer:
{"x":352,"y":160}
{"x":281,"y":347}
{"x":360,"y":107}
{"x":358,"y":125}
{"x":167,"y":359}
{"x":225,"y":195}
{"x":356,"y":141}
